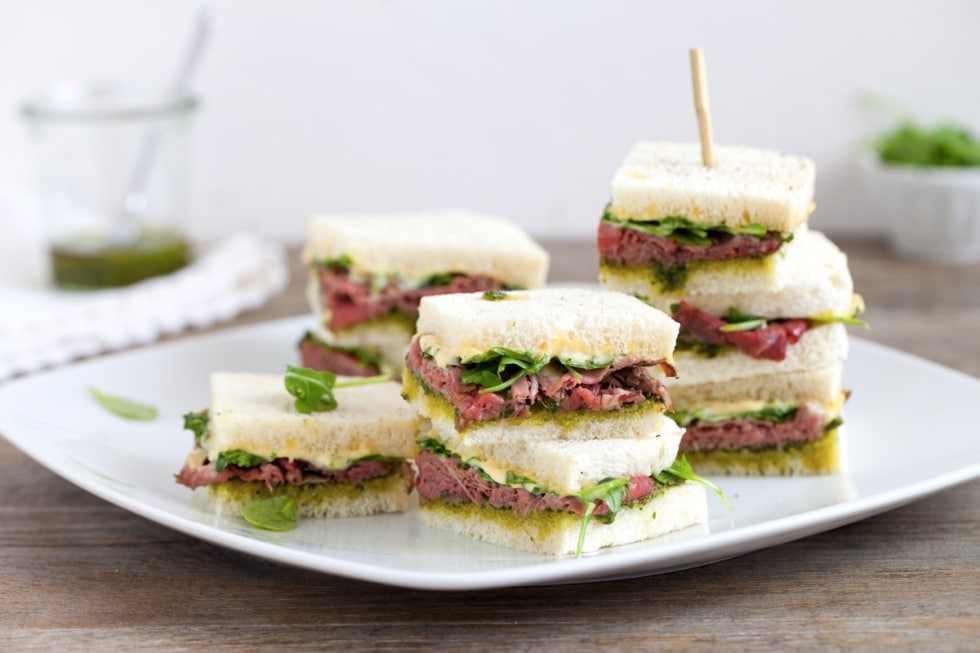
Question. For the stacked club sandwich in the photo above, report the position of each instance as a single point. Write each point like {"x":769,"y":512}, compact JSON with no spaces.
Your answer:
{"x":544,"y":426}
{"x":351,"y":459}
{"x":367,"y":274}
{"x":760,"y":299}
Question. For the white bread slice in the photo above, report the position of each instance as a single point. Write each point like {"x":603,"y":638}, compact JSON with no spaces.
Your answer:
{"x":567,"y":466}
{"x":417,"y":245}
{"x":820,"y":384}
{"x":815,"y":280}
{"x":577,"y":323}
{"x":554,"y":533}
{"x":255,"y":413}
{"x":746,"y":185}
{"x":378,"y":495}
{"x":819,"y":347}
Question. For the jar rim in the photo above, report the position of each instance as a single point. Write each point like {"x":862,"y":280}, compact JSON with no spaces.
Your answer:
{"x":104,"y":101}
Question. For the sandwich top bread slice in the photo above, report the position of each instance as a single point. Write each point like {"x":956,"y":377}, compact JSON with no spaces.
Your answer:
{"x":556,"y":362}
{"x":414,"y":247}
{"x":684,"y":227}
{"x":367,"y":274}
{"x":252,"y":443}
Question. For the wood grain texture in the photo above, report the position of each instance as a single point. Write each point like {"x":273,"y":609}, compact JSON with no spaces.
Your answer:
{"x":77,"y":573}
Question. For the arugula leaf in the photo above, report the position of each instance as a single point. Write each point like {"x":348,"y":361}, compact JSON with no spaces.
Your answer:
{"x":684,"y":230}
{"x":434,"y":446}
{"x":529,"y":484}
{"x":588,"y":364}
{"x":833,"y":424}
{"x":746,"y":325}
{"x":612,"y":492}
{"x":197,"y":423}
{"x":313,"y":389}
{"x":500,"y":368}
{"x":739,"y":321}
{"x":342,"y":262}
{"x":843,"y":319}
{"x":273,"y":514}
{"x":776,"y":412}
{"x":125,"y":408}
{"x":680,"y":470}
{"x":440,"y":279}
{"x":239,"y":458}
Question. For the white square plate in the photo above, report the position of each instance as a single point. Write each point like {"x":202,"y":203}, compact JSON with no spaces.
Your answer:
{"x":52,"y":418}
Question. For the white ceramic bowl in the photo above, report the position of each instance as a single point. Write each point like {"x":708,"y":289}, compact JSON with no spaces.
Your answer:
{"x":930,"y":214}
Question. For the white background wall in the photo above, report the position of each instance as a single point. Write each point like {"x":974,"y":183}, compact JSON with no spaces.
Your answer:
{"x":523,"y":109}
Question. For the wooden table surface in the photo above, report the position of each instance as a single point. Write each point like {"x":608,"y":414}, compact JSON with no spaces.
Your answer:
{"x":77,"y":573}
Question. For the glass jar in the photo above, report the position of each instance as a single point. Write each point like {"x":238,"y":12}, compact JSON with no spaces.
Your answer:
{"x":112,"y":166}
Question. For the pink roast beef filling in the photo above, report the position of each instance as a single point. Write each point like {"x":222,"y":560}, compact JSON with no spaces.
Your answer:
{"x":321,"y":356}
{"x":748,"y":432}
{"x":445,"y":479}
{"x":768,"y":342}
{"x":625,"y":246}
{"x":283,"y":471}
{"x":351,"y":302}
{"x":626,"y":381}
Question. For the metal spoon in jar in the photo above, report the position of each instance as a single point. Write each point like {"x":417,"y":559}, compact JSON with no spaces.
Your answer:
{"x":134,"y":203}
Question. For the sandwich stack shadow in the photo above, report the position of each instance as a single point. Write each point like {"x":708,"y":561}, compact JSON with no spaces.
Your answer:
{"x":762,"y":302}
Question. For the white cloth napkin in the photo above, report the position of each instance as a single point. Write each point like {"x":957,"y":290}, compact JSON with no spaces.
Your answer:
{"x":42,"y":327}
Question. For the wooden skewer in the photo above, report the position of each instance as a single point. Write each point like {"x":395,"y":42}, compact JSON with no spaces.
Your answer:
{"x":701,"y":105}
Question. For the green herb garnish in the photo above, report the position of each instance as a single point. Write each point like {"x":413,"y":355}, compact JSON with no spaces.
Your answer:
{"x":775,"y":412}
{"x":342,"y":262}
{"x":945,"y":145}
{"x":612,"y":492}
{"x":833,"y":424}
{"x":529,"y":484}
{"x":434,"y":446}
{"x":272,"y":514}
{"x":440,"y":279}
{"x":494,"y":295}
{"x":313,"y":389}
{"x":680,"y":470}
{"x":685,"y":231}
{"x":197,"y":423}
{"x":239,"y":458}
{"x":500,"y":368}
{"x":843,"y":319}
{"x":125,"y":408}
{"x":739,"y":321}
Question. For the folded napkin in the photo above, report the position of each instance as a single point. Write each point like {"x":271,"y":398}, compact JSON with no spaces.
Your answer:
{"x":42,"y":327}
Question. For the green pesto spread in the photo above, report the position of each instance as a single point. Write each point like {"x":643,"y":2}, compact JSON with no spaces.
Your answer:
{"x":235,"y":491}
{"x":83,"y":262}
{"x":672,"y":278}
{"x":817,"y":457}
